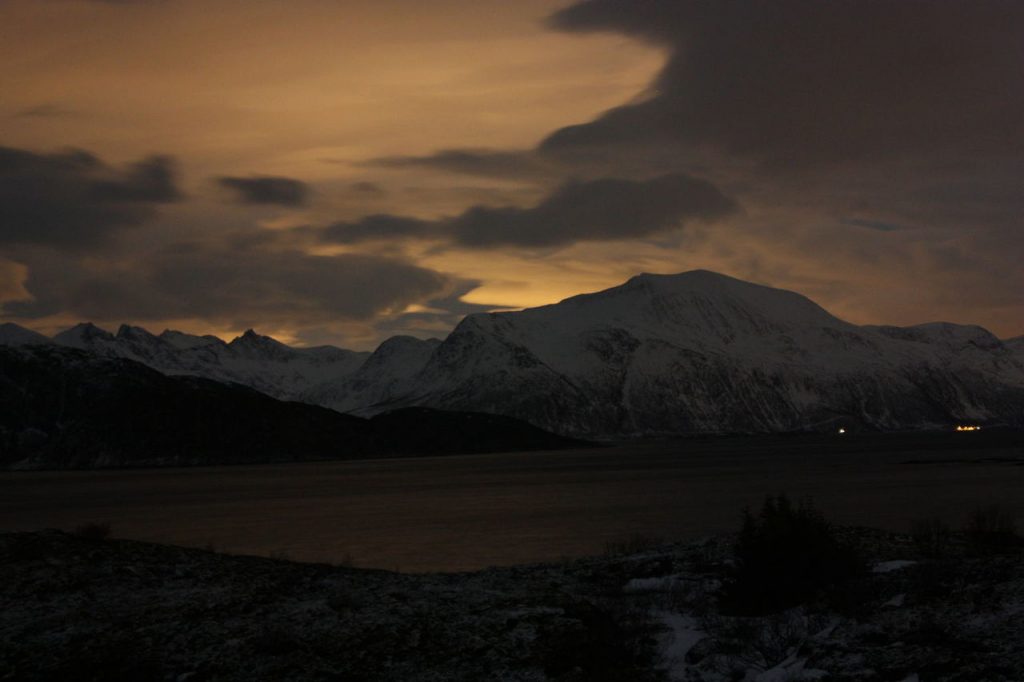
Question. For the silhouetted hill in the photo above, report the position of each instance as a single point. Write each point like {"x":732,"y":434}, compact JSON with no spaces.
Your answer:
{"x":67,"y":408}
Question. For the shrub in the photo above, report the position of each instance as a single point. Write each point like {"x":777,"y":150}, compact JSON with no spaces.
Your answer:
{"x":991,"y":529}
{"x":931,"y":536}
{"x":634,"y":544}
{"x":93,"y":531}
{"x":598,"y":642}
{"x":785,"y":556}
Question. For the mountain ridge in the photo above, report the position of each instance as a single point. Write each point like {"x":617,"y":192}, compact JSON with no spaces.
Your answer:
{"x":66,"y":408}
{"x":657,"y":355}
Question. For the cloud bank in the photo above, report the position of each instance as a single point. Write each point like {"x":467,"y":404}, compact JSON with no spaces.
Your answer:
{"x":73,"y":200}
{"x":597,"y":210}
{"x":267,"y":189}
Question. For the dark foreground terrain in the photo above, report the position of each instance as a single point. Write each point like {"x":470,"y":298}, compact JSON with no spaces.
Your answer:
{"x":99,"y":609}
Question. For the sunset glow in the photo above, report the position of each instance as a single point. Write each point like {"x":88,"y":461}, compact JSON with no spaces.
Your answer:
{"x":282,"y":130}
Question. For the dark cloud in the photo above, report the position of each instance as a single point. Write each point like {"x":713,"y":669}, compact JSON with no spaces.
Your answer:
{"x":482,"y":162}
{"x":792,"y":83}
{"x":880,"y":225}
{"x":377,"y":227}
{"x":73,"y":200}
{"x":234,"y":283}
{"x":605,"y":209}
{"x":267,"y":190}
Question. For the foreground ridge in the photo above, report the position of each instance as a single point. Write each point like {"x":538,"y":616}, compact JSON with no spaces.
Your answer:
{"x":115,"y":609}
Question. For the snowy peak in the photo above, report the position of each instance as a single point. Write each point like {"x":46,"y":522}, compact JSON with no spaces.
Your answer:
{"x":699,"y":311}
{"x":251,"y":359}
{"x":658,"y":354}
{"x":84,"y":335}
{"x":386,"y":374}
{"x":137,"y":335}
{"x":402,"y":346}
{"x":951,"y":336}
{"x":183,"y":341}
{"x":699,"y":351}
{"x":397,"y":357}
{"x":722,"y":306}
{"x":251,"y":344}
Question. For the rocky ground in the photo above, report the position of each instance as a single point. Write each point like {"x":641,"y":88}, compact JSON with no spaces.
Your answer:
{"x":78,"y":607}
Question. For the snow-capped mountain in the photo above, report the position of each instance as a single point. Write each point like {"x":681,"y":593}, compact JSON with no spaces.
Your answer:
{"x":65,"y":408}
{"x":660,"y":354}
{"x":385,"y":376}
{"x":256,"y":361}
{"x":702,"y":352}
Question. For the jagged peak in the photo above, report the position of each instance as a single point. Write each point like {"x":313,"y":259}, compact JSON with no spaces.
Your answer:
{"x":404,"y":341}
{"x":183,"y":340}
{"x":251,"y":340}
{"x":127,"y":331}
{"x":251,"y":336}
{"x":84,"y":331}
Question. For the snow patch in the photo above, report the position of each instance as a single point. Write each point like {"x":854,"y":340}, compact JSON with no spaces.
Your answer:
{"x":683,"y":633}
{"x":890,"y":566}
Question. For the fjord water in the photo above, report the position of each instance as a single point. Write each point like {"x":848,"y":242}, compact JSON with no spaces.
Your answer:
{"x":469,"y":512}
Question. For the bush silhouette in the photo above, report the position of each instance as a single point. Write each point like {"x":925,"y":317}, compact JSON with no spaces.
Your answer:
{"x":93,"y":531}
{"x":932,"y":537}
{"x":785,"y":556}
{"x":991,"y":529}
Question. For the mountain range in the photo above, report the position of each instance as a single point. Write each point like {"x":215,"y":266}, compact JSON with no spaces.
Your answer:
{"x":66,"y":408}
{"x":695,"y":352}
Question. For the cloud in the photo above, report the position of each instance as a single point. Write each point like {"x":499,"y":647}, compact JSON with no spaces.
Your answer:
{"x":879,"y":225}
{"x":595,"y":210}
{"x":379,"y":227}
{"x":234,"y":283}
{"x":799,"y":83}
{"x":122,"y":2}
{"x":366,"y":187}
{"x":267,"y":189}
{"x":48,"y":110}
{"x":482,"y":162}
{"x":72,"y":200}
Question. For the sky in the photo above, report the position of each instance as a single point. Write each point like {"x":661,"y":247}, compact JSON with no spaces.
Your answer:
{"x":340,"y":171}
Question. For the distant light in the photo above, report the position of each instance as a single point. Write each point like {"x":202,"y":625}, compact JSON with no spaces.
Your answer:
{"x":968,"y":428}
{"x":842,"y":430}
